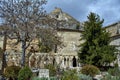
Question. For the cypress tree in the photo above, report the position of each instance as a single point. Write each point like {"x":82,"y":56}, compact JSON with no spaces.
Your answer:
{"x":96,"y":49}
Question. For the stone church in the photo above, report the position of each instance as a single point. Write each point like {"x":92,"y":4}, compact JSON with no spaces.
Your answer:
{"x":65,"y":57}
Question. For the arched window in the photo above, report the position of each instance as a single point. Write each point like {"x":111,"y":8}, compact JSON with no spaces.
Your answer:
{"x":53,"y":61}
{"x":64,"y":61}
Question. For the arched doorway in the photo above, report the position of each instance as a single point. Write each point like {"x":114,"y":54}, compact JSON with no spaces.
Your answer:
{"x":74,"y":62}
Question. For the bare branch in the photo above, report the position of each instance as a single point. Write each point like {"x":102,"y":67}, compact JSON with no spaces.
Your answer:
{"x":28,"y":44}
{"x":26,"y":20}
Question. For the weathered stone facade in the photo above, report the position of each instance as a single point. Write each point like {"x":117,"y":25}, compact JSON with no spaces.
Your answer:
{"x":58,"y":14}
{"x":63,"y":57}
{"x":114,"y":30}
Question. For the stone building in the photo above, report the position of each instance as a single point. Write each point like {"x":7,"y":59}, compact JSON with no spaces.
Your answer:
{"x":65,"y":56}
{"x":114,"y":30}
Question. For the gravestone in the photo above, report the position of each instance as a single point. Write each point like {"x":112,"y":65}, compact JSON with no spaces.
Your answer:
{"x":44,"y":73}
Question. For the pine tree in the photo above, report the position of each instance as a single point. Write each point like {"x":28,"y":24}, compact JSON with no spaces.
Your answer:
{"x":96,"y":49}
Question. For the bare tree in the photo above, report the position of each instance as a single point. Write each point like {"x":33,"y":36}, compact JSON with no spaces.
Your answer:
{"x":26,"y":20}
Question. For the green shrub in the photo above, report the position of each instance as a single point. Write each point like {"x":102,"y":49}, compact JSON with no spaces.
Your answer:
{"x":51,"y":78}
{"x":84,"y":77}
{"x":90,"y":70}
{"x":37,"y":78}
{"x":25,"y":73}
{"x":110,"y":77}
{"x":116,"y":65}
{"x":12,"y":71}
{"x":70,"y":75}
{"x":114,"y":71}
{"x":52,"y":69}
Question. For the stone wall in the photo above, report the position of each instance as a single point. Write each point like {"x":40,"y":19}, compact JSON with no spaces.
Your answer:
{"x":71,"y":41}
{"x":63,"y":57}
{"x":113,"y":29}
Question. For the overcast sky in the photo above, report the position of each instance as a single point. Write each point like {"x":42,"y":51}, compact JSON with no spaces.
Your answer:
{"x":109,"y":10}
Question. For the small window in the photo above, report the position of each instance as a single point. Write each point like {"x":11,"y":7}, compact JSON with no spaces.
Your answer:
{"x":118,"y":31}
{"x":55,"y":49}
{"x":57,"y":16}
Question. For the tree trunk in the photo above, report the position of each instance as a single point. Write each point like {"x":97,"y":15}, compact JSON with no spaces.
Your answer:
{"x":3,"y":55}
{"x":23,"y":53}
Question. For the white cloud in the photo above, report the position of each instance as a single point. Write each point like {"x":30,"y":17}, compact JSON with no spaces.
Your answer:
{"x":107,"y":9}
